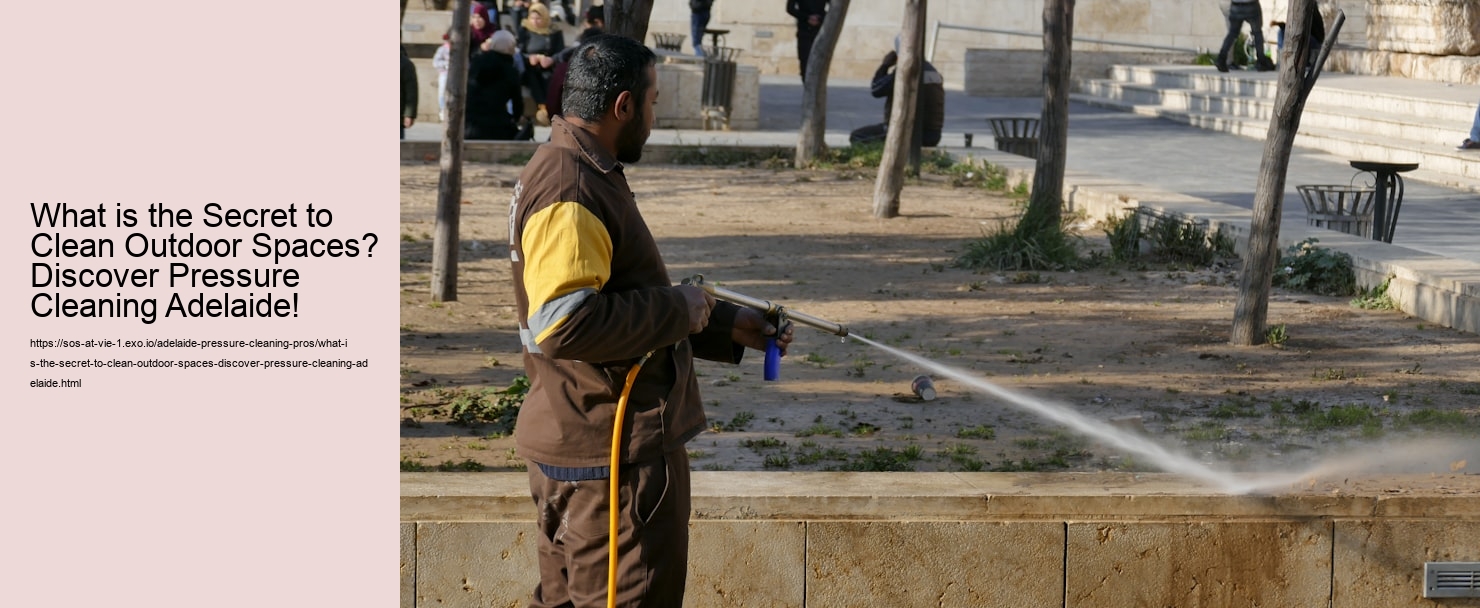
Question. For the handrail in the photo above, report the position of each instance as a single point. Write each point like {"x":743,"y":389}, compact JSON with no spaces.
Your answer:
{"x":937,"y":26}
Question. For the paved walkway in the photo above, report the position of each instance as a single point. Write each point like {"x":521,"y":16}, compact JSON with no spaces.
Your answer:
{"x":1157,"y":153}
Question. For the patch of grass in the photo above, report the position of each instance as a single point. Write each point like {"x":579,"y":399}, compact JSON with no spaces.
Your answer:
{"x":1007,"y":248}
{"x":1276,"y":335}
{"x":980,"y":431}
{"x":885,"y":459}
{"x":1330,"y":373}
{"x":727,"y":156}
{"x":859,"y":156}
{"x":817,"y":359}
{"x":468,"y":465}
{"x":766,"y":443}
{"x":411,"y":466}
{"x":1432,"y":419}
{"x":1341,"y":416}
{"x":864,"y":429}
{"x":809,"y":455}
{"x":1375,"y":298}
{"x":1207,"y":430}
{"x":776,"y":461}
{"x":964,"y":456}
{"x":496,"y":407}
{"x":739,"y":422}
{"x":1235,"y":408}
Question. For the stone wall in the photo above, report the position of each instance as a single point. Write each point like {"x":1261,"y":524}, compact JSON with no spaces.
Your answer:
{"x":1429,"y":27}
{"x":979,"y":540}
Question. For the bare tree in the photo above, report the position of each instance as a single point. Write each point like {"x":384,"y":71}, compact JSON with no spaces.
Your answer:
{"x":628,"y":18}
{"x":1046,"y":203}
{"x":449,"y":188}
{"x":1295,"y":83}
{"x":902,"y":113}
{"x":810,"y":141}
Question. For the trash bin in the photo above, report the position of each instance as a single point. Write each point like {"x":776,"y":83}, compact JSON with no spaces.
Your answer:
{"x":1338,"y":207}
{"x":668,"y":41}
{"x":719,"y":85}
{"x":1016,"y":135}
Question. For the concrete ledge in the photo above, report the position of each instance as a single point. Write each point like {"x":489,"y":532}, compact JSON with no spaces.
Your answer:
{"x":979,"y":539}
{"x":1434,"y":288}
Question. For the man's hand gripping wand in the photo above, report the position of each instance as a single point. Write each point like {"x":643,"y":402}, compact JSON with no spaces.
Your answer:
{"x":775,"y":314}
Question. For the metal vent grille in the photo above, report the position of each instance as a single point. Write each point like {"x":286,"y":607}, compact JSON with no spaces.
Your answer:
{"x":1451,"y":579}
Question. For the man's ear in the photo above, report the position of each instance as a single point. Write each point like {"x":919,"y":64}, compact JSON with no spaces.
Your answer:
{"x":622,"y":109}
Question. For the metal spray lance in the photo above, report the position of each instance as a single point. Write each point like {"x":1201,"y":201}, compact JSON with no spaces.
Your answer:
{"x":775,"y":314}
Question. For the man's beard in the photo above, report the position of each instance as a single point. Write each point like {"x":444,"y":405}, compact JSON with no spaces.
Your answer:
{"x":631,"y":138}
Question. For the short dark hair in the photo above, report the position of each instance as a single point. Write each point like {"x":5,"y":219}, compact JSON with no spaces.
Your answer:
{"x":602,"y":68}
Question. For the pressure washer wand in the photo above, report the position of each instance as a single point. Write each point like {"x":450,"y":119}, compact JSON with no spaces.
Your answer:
{"x":776,"y":313}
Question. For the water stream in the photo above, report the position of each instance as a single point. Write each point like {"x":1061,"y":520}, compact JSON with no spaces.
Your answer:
{"x":1155,"y":454}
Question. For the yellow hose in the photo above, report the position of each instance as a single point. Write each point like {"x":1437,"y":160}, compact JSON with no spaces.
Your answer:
{"x":612,"y":506}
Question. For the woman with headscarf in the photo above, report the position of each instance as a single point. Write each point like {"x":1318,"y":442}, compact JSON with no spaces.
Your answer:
{"x":539,"y":43}
{"x":482,"y":28}
{"x":494,"y":99}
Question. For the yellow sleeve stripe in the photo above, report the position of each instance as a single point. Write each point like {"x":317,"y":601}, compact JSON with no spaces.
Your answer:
{"x":567,"y":258}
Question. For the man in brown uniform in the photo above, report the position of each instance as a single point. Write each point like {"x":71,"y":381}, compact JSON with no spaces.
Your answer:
{"x":594,"y":297}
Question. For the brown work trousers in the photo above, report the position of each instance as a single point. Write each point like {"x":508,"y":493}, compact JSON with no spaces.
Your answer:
{"x":653,"y":533}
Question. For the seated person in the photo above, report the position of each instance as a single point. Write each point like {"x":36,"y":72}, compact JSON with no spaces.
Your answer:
{"x":930,"y":103}
{"x":494,"y":99}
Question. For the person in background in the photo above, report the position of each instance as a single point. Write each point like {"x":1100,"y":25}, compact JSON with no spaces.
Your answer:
{"x":494,"y":99}
{"x":596,"y":17}
{"x":930,"y":102}
{"x":442,"y":61}
{"x":539,"y":44}
{"x":408,"y":92}
{"x":562,"y":64}
{"x":600,"y":317}
{"x":809,"y":15}
{"x":482,"y":28}
{"x":1239,"y":13}
{"x":698,"y":22}
{"x":516,"y":11}
{"x":1473,"y":141}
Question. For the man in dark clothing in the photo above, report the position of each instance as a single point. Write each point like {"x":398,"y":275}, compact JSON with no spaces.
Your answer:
{"x":930,"y":103}
{"x":408,"y":92}
{"x":809,"y":15}
{"x":1239,"y":13}
{"x":600,"y":319}
{"x":698,"y":22}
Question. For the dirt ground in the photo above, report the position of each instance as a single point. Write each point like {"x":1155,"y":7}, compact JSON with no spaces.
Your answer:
{"x":1143,"y":349}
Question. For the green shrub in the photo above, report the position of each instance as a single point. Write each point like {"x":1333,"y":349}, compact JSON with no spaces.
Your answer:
{"x":1375,"y":298}
{"x":496,"y":407}
{"x":1009,"y":249}
{"x":1306,"y":267}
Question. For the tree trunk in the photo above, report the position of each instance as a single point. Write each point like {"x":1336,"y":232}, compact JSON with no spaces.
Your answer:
{"x":1046,"y":202}
{"x":628,"y":18}
{"x":449,"y":188}
{"x":1252,"y":309}
{"x":810,"y":141}
{"x":902,"y":113}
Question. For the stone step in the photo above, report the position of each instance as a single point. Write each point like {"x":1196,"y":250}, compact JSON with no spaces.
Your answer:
{"x":1420,"y":99}
{"x":1378,"y":125}
{"x":1438,"y":164}
{"x":1342,"y":117}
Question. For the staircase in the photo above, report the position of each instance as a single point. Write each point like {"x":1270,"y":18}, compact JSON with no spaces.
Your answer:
{"x":1346,"y":116}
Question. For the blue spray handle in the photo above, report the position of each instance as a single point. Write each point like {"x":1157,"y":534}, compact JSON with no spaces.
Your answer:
{"x":773,"y":360}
